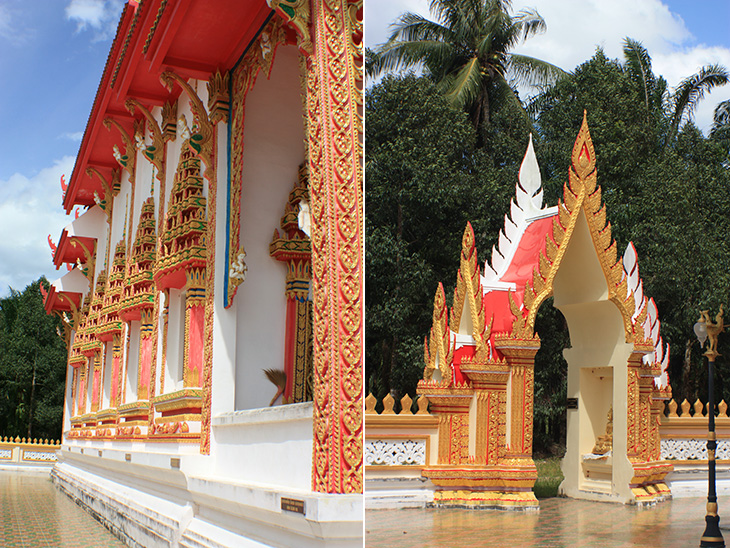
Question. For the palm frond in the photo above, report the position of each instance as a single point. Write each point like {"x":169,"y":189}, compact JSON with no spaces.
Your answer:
{"x":692,"y":90}
{"x":414,"y":27}
{"x":530,"y":23}
{"x":400,"y":55}
{"x":638,"y":63}
{"x":530,"y":71}
{"x":721,"y":118}
{"x":414,"y":42}
{"x":466,"y":84}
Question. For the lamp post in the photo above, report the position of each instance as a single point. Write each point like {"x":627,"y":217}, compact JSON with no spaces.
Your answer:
{"x":704,"y":328}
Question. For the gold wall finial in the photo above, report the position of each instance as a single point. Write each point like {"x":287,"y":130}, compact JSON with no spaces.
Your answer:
{"x":584,"y":156}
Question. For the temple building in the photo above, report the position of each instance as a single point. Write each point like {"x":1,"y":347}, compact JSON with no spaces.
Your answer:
{"x":213,"y":294}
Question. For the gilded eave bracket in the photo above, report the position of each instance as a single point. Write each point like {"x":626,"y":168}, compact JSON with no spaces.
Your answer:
{"x":296,"y":15}
{"x":155,"y":153}
{"x":126,"y":160}
{"x":202,"y":140}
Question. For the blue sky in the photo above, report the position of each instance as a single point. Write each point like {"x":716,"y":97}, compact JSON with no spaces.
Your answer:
{"x":680,"y":35}
{"x":52,"y":54}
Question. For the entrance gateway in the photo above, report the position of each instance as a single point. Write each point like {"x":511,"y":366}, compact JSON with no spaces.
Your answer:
{"x":480,"y":355}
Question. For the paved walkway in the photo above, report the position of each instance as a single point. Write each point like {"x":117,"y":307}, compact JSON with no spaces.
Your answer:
{"x":34,"y":514}
{"x":560,"y":523}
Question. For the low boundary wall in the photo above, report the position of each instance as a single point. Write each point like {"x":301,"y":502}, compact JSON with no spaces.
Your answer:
{"x":16,"y":453}
{"x":399,"y":445}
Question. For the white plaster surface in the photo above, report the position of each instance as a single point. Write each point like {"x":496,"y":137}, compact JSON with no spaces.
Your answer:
{"x":271,"y":445}
{"x":273,"y":150}
{"x":398,"y":492}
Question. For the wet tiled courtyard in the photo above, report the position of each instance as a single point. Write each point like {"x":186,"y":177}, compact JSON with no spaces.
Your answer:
{"x":34,"y":514}
{"x":560,"y":523}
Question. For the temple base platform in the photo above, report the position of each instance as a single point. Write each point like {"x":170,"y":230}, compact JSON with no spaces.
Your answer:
{"x":163,"y":500}
{"x":524,"y":500}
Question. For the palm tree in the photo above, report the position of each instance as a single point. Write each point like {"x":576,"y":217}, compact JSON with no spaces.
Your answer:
{"x":675,"y":107}
{"x":720,"y":130}
{"x":467,"y":51}
{"x":721,"y":120}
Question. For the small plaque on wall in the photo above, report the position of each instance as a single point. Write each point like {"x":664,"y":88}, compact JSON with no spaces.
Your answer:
{"x":572,"y":403}
{"x":292,"y":505}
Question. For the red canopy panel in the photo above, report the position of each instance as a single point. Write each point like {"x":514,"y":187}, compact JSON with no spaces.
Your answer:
{"x":191,"y":38}
{"x":65,"y":294}
{"x":78,"y":237}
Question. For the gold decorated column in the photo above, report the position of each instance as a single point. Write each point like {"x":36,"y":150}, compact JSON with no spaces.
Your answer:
{"x":520,"y":354}
{"x":334,"y":109}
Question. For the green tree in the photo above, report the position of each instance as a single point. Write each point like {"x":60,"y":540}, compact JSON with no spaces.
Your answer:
{"x":425,"y":180}
{"x":671,"y":201}
{"x":678,"y":106}
{"x":467,"y":52}
{"x":32,"y":366}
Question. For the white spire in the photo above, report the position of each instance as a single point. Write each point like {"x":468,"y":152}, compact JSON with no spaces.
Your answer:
{"x":526,"y":205}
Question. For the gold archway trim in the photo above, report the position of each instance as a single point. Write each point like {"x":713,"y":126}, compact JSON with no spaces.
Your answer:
{"x":580,"y":194}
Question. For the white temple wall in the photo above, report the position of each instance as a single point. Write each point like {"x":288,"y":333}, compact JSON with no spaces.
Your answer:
{"x":274,"y":443}
{"x":101,"y":253}
{"x":175,"y":338}
{"x":89,"y":383}
{"x":273,"y":151}
{"x":142,"y":185}
{"x":69,"y":405}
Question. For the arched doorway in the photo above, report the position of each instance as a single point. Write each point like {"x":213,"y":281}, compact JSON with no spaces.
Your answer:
{"x":479,"y":373}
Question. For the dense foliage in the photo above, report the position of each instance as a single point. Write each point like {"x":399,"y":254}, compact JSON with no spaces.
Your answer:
{"x":664,"y":183}
{"x":32,"y":366}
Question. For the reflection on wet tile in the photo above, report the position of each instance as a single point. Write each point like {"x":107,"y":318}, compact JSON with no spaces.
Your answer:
{"x":560,"y":523}
{"x":34,"y":514}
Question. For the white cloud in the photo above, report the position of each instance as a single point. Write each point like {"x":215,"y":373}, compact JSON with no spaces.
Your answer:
{"x":678,"y":65}
{"x":75,"y":136}
{"x":5,"y":23}
{"x":11,"y":28}
{"x":99,"y":15}
{"x":30,"y":210}
{"x":575,"y":29}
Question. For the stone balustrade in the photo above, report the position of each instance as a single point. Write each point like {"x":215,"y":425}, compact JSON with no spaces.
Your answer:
{"x":15,"y":452}
{"x":397,"y":447}
{"x":683,"y":431}
{"x":398,"y":440}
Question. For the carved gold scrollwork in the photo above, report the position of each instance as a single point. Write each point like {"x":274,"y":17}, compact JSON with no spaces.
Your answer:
{"x":155,"y":153}
{"x":439,"y":352}
{"x":218,"y":97}
{"x":580,"y":195}
{"x":106,"y":203}
{"x":90,"y":259}
{"x":297,"y":15}
{"x":202,"y":139}
{"x":125,"y":160}
{"x":468,"y":292}
{"x":169,"y":123}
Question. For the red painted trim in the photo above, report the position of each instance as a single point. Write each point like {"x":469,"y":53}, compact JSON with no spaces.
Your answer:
{"x":196,"y":340}
{"x":113,"y":399}
{"x":290,"y":345}
{"x":145,"y":362}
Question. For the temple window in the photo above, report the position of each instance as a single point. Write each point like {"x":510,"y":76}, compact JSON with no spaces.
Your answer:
{"x":132,"y":359}
{"x":175,"y":340}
